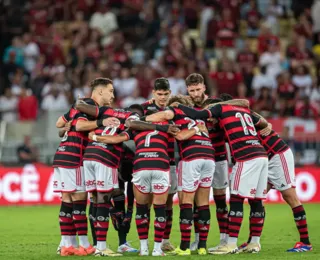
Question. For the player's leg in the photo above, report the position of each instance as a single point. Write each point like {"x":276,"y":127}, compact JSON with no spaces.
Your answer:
{"x":92,"y":216}
{"x":188,"y":182}
{"x":195,"y":243}
{"x":90,"y":183}
{"x":160,"y":187}
{"x":166,"y":245}
{"x":241,"y":176}
{"x":142,"y":187}
{"x":79,"y":201}
{"x":284,"y":181}
{"x":220,"y":183}
{"x":257,"y":211}
{"x":106,"y":181}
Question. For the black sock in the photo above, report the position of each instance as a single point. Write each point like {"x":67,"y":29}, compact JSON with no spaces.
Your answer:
{"x":91,"y":220}
{"x":186,"y":219}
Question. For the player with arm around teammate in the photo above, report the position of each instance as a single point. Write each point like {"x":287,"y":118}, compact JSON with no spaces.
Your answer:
{"x":249,"y":174}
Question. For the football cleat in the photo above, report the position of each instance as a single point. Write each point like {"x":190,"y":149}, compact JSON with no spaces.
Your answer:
{"x":127,"y":248}
{"x":82,"y":251}
{"x":300,"y":247}
{"x":106,"y":252}
{"x":242,"y":247}
{"x":194,"y":245}
{"x":180,"y":252}
{"x":202,"y":251}
{"x":222,"y":243}
{"x":226,"y":249}
{"x":158,"y":253}
{"x":144,"y":252}
{"x":252,"y":248}
{"x":66,"y":251}
{"x":167,"y":247}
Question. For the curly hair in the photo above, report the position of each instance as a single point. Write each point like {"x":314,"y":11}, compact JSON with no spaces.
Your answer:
{"x":183,"y":100}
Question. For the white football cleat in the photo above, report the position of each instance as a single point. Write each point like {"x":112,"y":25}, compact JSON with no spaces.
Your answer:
{"x":127,"y":248}
{"x":144,"y":252}
{"x":194,"y":245}
{"x":158,"y":253}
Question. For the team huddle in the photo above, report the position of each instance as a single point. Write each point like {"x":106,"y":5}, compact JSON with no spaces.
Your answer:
{"x":167,"y":145}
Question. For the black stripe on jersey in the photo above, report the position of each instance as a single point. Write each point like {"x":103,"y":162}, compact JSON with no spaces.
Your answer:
{"x":232,"y":125}
{"x":142,"y":163}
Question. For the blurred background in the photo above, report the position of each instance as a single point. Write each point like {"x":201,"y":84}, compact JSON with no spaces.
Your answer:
{"x":265,"y":50}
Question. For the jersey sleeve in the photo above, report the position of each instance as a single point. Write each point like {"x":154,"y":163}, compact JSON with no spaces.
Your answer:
{"x":102,"y":110}
{"x":194,"y":114}
{"x":255,"y":119}
{"x":129,"y":133}
{"x":81,"y":116}
{"x":216,"y":111}
{"x":66,"y":116}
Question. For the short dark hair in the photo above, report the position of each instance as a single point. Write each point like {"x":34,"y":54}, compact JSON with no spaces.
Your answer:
{"x":194,"y":79}
{"x":100,"y":82}
{"x":161,"y":84}
{"x":138,"y":108}
{"x":226,"y":97}
{"x":210,"y":101}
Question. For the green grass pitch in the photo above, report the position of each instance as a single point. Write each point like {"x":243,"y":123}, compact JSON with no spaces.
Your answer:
{"x":33,"y":233}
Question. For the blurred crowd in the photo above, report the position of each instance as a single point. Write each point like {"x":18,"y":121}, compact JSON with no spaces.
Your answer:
{"x":264,"y":50}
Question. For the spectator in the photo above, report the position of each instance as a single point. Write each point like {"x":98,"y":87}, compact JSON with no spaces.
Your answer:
{"x":8,"y":106}
{"x":27,"y":106}
{"x":303,"y":27}
{"x":299,"y":54}
{"x":226,"y":79}
{"x":31,"y":53}
{"x":177,"y":83}
{"x":302,"y":80}
{"x":225,"y":34}
{"x":134,"y":99}
{"x":56,"y":100}
{"x":287,"y":95}
{"x":274,"y":12}
{"x":105,"y":21}
{"x":266,"y":38}
{"x":306,"y":109}
{"x":263,"y":80}
{"x":265,"y":103}
{"x":59,"y":82}
{"x":253,"y":20}
{"x":27,"y":153}
{"x":272,"y":60}
{"x":18,"y":81}
{"x":125,"y":85}
{"x":16,"y":50}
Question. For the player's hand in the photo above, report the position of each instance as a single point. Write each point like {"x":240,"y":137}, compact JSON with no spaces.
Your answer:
{"x":203,"y":128}
{"x":173,"y":130}
{"x":150,"y":101}
{"x":90,"y":136}
{"x":174,"y":104}
{"x":127,"y":221}
{"x":267,"y":130}
{"x":213,"y":120}
{"x":111,"y":122}
{"x":67,"y":126}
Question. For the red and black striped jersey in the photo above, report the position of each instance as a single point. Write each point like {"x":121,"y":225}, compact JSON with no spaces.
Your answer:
{"x":239,"y":128}
{"x":70,"y":151}
{"x":273,"y":143}
{"x":108,"y":154}
{"x":151,"y":149}
{"x":198,"y":146}
{"x":217,"y":137}
{"x":151,"y":106}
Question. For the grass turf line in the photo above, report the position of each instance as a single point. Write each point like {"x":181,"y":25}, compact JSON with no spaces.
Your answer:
{"x":33,"y":233}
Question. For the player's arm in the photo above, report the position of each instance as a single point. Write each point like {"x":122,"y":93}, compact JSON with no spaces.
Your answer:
{"x":144,"y":126}
{"x":196,"y":114}
{"x":236,"y":102}
{"x":259,"y":122}
{"x":109,"y":139}
{"x":264,"y":131}
{"x":65,"y":129}
{"x":61,"y":122}
{"x":87,"y":109}
{"x":160,"y":116}
{"x":188,"y":133}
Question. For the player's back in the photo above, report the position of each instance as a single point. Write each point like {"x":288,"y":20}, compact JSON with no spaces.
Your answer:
{"x":273,"y":143}
{"x":240,"y":131}
{"x":71,"y":149}
{"x":151,"y":149}
{"x":108,"y":154}
{"x":198,"y":146}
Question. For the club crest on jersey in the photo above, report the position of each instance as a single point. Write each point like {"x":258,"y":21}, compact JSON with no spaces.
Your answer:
{"x":61,"y":148}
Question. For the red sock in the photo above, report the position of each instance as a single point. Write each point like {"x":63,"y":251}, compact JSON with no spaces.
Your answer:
{"x":80,"y":217}
{"x":167,"y":231}
{"x":142,"y":221}
{"x":159,"y":222}
{"x":204,"y":225}
{"x":301,"y":222}
{"x":235,"y":216}
{"x":102,"y":221}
